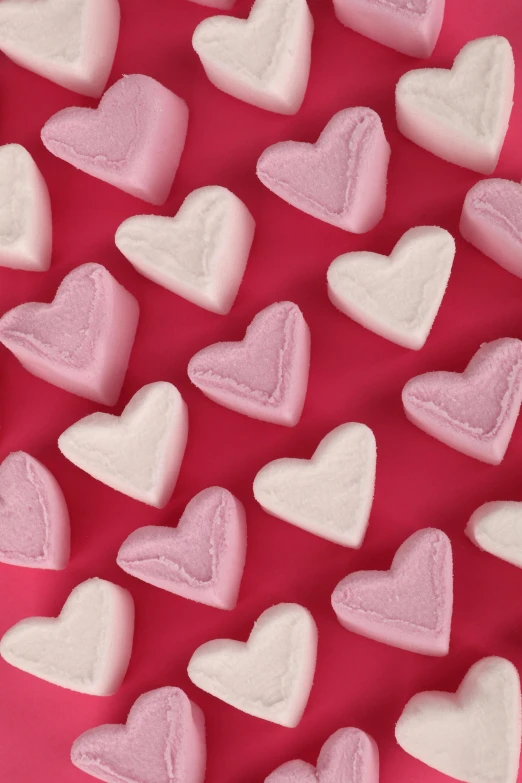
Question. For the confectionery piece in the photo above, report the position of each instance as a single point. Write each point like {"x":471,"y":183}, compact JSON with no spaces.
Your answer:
{"x":497,"y":528}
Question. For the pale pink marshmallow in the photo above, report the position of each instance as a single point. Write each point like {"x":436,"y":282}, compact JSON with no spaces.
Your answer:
{"x":264,"y":376}
{"x":341,"y":179}
{"x":34,"y":521}
{"x":201,"y":559}
{"x":496,"y":527}
{"x":409,"y":606}
{"x":80,"y":342}
{"x":163,"y":741}
{"x":474,"y":411}
{"x":133,"y":140}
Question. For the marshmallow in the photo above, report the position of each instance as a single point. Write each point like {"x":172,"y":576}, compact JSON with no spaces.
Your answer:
{"x":25,"y":212}
{"x":409,"y":606}
{"x":397,"y":297}
{"x":409,"y":27}
{"x":86,"y":649}
{"x":138,"y":453}
{"x":70,"y":42}
{"x":492,"y":221}
{"x":474,"y":411}
{"x":461,"y":115}
{"x":264,"y":376}
{"x":348,"y":756}
{"x":200,"y":254}
{"x":473,"y":735}
{"x":80,"y":342}
{"x":271,"y":675}
{"x":163,"y":741}
{"x":263,"y":60}
{"x":202,"y":559}
{"x":133,"y":140}
{"x":34,"y":521}
{"x":341,"y":179}
{"x":225,"y":5}
{"x":330,"y":495}
{"x":497,"y":528}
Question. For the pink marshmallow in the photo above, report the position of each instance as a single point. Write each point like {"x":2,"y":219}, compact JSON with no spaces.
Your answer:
{"x":202,"y":559}
{"x":409,"y":606}
{"x":133,"y":141}
{"x":34,"y":521}
{"x":163,"y":741}
{"x":80,"y":342}
{"x":341,"y":179}
{"x":474,"y":411}
{"x":409,"y":26}
{"x":264,"y":376}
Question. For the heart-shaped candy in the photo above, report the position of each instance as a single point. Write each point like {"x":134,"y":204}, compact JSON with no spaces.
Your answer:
{"x":497,"y":528}
{"x":474,"y":411}
{"x":341,"y":179}
{"x":200,"y":254}
{"x":409,"y":606}
{"x":80,"y":342}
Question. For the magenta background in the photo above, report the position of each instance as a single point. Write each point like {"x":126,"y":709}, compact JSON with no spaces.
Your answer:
{"x":355,"y":376}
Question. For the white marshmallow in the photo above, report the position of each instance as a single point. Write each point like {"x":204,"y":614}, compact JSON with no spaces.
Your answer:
{"x":329,"y":495}
{"x":138,"y":453}
{"x":271,"y":675}
{"x":398,"y":296}
{"x":497,"y":528}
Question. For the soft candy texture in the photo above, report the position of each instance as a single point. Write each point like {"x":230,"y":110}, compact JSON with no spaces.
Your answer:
{"x":473,"y":735}
{"x":202,"y":559}
{"x":497,"y":528}
{"x":133,"y":140}
{"x":34,"y":521}
{"x":341,"y":179}
{"x":80,"y":342}
{"x":348,"y":756}
{"x":138,"y":453}
{"x":461,"y":115}
{"x":409,"y":606}
{"x":163,"y":741}
{"x":474,"y":411}
{"x":25,"y":212}
{"x":86,"y":649}
{"x":409,"y":27}
{"x":264,"y":376}
{"x":330,"y":495}
{"x":200,"y":254}
{"x":271,"y":675}
{"x":70,"y":42}
{"x":263,"y":60}
{"x":397,"y":297}
{"x":492,"y":221}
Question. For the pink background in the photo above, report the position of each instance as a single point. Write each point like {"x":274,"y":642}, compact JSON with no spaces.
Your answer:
{"x":355,"y":376}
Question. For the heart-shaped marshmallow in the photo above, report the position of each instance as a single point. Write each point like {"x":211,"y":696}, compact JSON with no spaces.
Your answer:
{"x":348,"y":756}
{"x":474,"y":411}
{"x":200,"y":254}
{"x":497,"y":528}
{"x":330,"y":495}
{"x":409,"y":606}
{"x":86,"y":649}
{"x":264,"y":376}
{"x":409,"y":27}
{"x":34,"y":521}
{"x":202,"y":559}
{"x":397,"y":297}
{"x":341,"y":179}
{"x":492,"y":221}
{"x":138,"y":453}
{"x":473,"y":735}
{"x":271,"y":675}
{"x":80,"y":342}
{"x":70,"y":42}
{"x":163,"y":741}
{"x":133,"y":140}
{"x":263,"y":60}
{"x":461,"y":115}
{"x":25,"y":212}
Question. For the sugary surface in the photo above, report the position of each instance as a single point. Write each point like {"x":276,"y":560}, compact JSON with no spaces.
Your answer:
{"x":496,"y":528}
